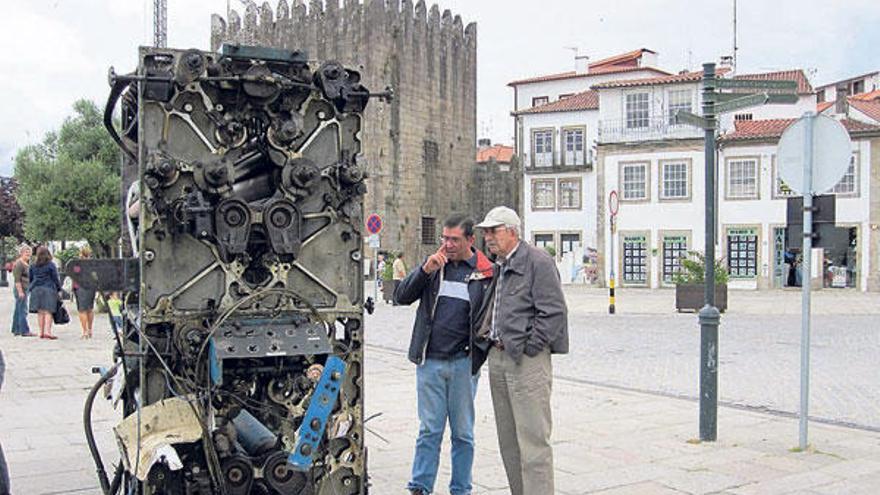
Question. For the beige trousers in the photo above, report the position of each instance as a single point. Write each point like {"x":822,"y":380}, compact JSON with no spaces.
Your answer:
{"x":521,"y":398}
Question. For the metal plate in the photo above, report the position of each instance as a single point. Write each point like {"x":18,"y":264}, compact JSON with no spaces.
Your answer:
{"x":831,"y":154}
{"x":253,"y":341}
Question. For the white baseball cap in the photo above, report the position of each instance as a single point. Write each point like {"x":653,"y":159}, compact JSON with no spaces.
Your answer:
{"x":500,"y":215}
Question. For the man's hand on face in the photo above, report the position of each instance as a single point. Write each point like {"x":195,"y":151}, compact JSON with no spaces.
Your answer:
{"x":435,"y":261}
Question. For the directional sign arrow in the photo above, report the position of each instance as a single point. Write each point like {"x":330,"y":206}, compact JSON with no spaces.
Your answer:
{"x":685,"y":117}
{"x":743,"y":102}
{"x":783,"y":98}
{"x":758,"y":84}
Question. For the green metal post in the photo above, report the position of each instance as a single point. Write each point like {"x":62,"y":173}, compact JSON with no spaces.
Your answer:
{"x":709,"y":316}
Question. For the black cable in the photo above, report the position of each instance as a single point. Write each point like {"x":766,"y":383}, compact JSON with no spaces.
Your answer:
{"x":116,"y":89}
{"x":90,"y":436}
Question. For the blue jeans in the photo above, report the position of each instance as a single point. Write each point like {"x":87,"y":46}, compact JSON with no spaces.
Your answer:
{"x":446,"y":389}
{"x":19,"y":315}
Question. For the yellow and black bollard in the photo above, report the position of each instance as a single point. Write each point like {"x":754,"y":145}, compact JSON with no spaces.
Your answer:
{"x":611,"y":296}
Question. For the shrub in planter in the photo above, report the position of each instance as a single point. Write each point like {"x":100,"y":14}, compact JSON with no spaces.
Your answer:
{"x":387,"y":279}
{"x":690,"y":282}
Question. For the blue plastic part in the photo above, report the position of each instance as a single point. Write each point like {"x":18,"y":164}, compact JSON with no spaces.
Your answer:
{"x":216,"y":369}
{"x":253,"y":435}
{"x":322,"y":403}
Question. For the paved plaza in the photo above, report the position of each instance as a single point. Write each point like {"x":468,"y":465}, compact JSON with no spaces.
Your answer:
{"x":625,"y":418}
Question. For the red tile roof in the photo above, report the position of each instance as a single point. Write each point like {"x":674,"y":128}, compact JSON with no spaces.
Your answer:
{"x":671,"y":79}
{"x":757,"y":129}
{"x":621,"y":59}
{"x":611,"y":65}
{"x":823,"y":105}
{"x":871,"y":109}
{"x":873,"y":95}
{"x":748,"y":130}
{"x":588,"y":100}
{"x":498,"y":152}
{"x":798,"y":75}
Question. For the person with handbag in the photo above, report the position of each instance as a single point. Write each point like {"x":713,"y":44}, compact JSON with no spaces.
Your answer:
{"x":45,"y":291}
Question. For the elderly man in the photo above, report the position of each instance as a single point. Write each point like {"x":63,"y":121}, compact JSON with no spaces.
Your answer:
{"x":19,"y":292}
{"x":527,"y":323}
{"x":450,"y":287}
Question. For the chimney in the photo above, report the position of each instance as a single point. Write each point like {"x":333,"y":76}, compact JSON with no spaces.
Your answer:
{"x":581,"y":64}
{"x":840,"y":103}
{"x":484,"y":143}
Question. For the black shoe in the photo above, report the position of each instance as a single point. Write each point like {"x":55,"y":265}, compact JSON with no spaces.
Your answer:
{"x":417,"y":491}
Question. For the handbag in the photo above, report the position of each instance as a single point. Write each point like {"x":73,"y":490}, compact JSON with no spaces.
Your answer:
{"x":60,"y":316}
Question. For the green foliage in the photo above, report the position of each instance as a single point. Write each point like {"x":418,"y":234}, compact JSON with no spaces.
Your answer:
{"x":9,"y":246}
{"x":69,"y":184}
{"x":65,"y":255}
{"x":693,"y":269}
{"x":551,"y":250}
{"x":388,"y":271}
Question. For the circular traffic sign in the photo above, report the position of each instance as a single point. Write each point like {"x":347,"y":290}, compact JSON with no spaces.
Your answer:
{"x":613,"y":202}
{"x":831,"y":150}
{"x":374,"y":224}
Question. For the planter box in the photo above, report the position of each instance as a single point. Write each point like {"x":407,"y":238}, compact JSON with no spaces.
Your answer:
{"x":689,"y":297}
{"x":388,"y":291}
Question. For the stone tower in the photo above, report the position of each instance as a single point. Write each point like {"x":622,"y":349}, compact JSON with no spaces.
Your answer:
{"x":419,"y":149}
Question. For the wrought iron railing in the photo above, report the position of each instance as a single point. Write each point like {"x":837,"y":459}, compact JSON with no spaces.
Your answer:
{"x":650,"y":129}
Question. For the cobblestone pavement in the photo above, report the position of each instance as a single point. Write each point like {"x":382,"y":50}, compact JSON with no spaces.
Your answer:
{"x":606,"y":438}
{"x":648,"y":347}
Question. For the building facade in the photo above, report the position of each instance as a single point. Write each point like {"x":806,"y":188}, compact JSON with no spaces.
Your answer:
{"x":557,"y":127}
{"x":656,"y":168}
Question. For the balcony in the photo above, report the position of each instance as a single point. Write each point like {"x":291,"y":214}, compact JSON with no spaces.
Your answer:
{"x":654,"y":129}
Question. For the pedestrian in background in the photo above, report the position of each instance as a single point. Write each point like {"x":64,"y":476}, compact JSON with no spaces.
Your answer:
{"x":398,"y":272}
{"x":85,"y":301}
{"x":4,"y":472}
{"x":528,"y":321}
{"x":45,"y":291}
{"x":114,"y":305}
{"x":20,"y":325}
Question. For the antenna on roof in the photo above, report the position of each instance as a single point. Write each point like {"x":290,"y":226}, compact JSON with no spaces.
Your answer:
{"x":735,"y":48}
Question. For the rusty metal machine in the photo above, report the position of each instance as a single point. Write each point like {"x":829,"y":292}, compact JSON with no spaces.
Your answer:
{"x":239,"y":362}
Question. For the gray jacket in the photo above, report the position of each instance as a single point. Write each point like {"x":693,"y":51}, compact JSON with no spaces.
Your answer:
{"x":531,"y":313}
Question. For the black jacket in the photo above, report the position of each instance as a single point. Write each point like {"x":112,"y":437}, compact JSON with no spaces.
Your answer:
{"x":426,"y":289}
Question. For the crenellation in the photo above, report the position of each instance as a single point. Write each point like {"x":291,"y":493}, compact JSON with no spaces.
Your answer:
{"x":218,"y":31}
{"x":282,"y":11}
{"x":266,"y":29}
{"x":233,"y":28}
{"x":249,"y":26}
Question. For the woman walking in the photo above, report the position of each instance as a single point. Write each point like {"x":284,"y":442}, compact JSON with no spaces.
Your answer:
{"x":45,"y":289}
{"x":85,"y":301}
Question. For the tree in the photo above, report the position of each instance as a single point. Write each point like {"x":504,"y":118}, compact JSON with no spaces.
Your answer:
{"x":69,"y":185}
{"x":11,"y":216}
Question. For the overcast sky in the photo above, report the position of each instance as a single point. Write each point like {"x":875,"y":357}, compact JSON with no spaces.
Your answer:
{"x":56,"y":51}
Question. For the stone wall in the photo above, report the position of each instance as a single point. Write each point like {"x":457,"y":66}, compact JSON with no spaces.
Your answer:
{"x":420,"y":148}
{"x":496,"y":184}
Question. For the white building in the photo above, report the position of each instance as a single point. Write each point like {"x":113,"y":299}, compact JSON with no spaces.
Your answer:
{"x":556,"y":130}
{"x":617,"y":133}
{"x":657,"y":168}
{"x":865,"y":83}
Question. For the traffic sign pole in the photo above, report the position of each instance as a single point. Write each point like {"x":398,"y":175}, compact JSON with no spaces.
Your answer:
{"x":709,"y":316}
{"x":613,"y":206}
{"x":806,"y":282}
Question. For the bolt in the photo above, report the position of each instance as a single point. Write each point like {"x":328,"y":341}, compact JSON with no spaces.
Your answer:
{"x":316,"y":424}
{"x":149,"y":255}
{"x":306,"y":449}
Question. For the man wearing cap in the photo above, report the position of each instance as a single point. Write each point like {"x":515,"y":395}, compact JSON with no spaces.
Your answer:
{"x":526,"y":321}
{"x":450,"y":287}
